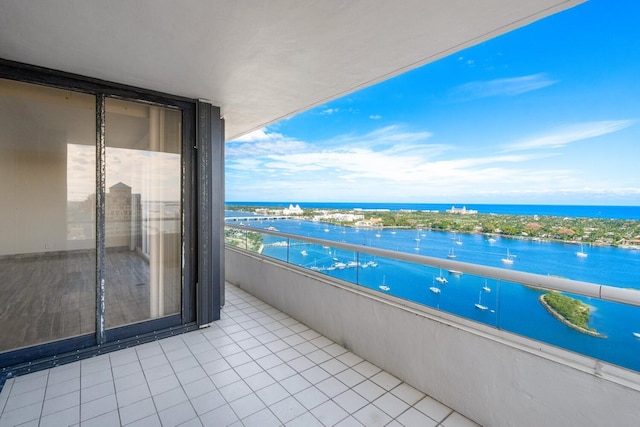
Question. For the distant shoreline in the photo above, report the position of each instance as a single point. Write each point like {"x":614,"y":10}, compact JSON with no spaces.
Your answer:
{"x":588,"y":231}
{"x":625,"y":212}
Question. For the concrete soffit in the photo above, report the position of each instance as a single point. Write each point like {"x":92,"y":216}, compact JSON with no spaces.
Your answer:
{"x":259,"y":61}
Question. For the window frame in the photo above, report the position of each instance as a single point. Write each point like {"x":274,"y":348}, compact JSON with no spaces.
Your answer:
{"x":102,"y":340}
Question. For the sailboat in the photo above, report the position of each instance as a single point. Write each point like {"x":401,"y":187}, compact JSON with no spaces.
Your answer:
{"x":433,"y":288}
{"x":486,"y":288}
{"x":417,"y":248}
{"x":451,"y":254}
{"x":582,"y":253}
{"x":441,"y":278}
{"x":417,"y":239}
{"x":479,"y":305}
{"x":314,"y":267}
{"x":508,"y":259}
{"x":636,"y":334}
{"x":383,"y":286}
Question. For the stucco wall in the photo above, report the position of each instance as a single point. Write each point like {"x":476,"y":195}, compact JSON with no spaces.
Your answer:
{"x":492,"y":377}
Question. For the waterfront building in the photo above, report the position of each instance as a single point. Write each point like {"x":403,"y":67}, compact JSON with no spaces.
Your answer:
{"x":293,"y":210}
{"x":145,"y":94}
{"x":341,"y":217}
{"x":462,"y":211}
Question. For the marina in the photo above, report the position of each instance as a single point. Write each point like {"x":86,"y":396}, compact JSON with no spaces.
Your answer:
{"x":509,"y":306}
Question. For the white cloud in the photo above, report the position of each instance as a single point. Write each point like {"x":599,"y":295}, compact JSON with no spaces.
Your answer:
{"x":501,"y":87}
{"x":395,"y":164}
{"x":570,"y":134}
{"x":259,"y":135}
{"x":388,"y":160}
{"x":375,"y":117}
{"x":262,"y":143}
{"x":330,"y":111}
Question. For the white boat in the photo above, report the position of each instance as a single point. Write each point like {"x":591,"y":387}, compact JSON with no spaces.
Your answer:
{"x":486,"y":287}
{"x":508,"y":259}
{"x":326,"y":230}
{"x":393,"y":232}
{"x":433,"y":288}
{"x":491,"y":240}
{"x":383,"y":286}
{"x":451,"y":254}
{"x":272,"y":228}
{"x":636,"y":334}
{"x":456,"y":272}
{"x":479,"y":305}
{"x":378,"y":234}
{"x":441,"y":278}
{"x":581,"y":253}
{"x":303,"y":253}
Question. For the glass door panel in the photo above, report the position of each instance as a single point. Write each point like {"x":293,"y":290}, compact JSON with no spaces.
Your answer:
{"x":47,"y":214}
{"x":143,"y":214}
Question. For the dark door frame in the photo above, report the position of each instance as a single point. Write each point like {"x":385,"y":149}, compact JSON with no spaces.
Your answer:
{"x":202,"y":225}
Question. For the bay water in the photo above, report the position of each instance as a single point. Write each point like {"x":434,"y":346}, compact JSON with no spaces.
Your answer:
{"x":511,"y":306}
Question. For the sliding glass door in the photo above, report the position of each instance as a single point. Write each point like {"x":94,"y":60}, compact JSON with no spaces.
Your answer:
{"x":90,"y":238}
{"x":142,"y":212}
{"x":47,"y":220}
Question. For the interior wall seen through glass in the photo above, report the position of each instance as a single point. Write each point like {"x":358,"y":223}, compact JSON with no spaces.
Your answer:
{"x":47,"y":220}
{"x":143,"y":226}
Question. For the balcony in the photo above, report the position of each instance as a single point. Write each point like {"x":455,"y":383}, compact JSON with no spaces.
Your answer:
{"x":295,"y":346}
{"x":483,"y":370}
{"x":257,"y":366}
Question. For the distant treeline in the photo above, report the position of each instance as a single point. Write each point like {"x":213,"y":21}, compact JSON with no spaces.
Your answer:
{"x":596,"y":231}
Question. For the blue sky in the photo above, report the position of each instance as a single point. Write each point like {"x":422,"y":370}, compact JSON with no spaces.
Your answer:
{"x":547,"y":114}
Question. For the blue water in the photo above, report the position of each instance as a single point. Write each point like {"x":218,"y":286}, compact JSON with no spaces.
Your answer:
{"x":512,"y":307}
{"x":614,"y":212}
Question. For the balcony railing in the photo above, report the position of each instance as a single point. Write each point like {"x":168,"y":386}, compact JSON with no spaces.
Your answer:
{"x":504,"y":299}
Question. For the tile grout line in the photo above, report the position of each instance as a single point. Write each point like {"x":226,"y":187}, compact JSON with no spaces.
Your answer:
{"x":390,"y":391}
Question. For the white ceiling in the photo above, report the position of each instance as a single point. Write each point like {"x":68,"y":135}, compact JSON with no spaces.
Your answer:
{"x":259,"y":60}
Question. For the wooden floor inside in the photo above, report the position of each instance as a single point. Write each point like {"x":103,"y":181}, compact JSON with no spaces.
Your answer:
{"x":47,"y":297}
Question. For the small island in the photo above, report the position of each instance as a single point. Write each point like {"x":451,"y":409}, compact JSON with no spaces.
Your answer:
{"x":572,"y":312}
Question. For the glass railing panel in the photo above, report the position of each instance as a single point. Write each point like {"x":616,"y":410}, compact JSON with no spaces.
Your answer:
{"x":609,"y":334}
{"x":275,"y":247}
{"x":245,"y":239}
{"x":498,"y":303}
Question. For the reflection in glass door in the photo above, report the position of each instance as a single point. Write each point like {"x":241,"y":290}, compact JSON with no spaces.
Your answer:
{"x":47,"y":221}
{"x":143,"y":220}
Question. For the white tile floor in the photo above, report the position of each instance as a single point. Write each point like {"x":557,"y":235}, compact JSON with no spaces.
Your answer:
{"x":255,"y":367}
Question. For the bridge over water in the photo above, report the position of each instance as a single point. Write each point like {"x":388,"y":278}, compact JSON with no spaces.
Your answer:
{"x":255,"y":218}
